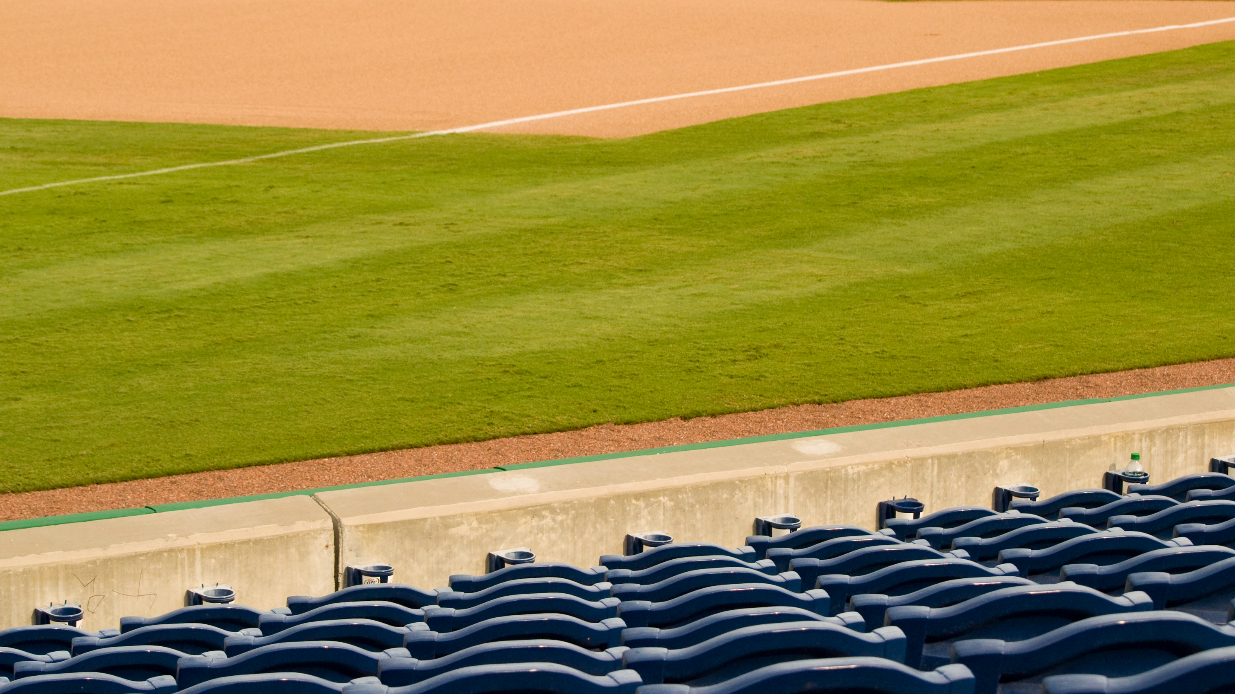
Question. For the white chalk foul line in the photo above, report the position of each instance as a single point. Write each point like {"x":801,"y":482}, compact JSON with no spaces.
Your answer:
{"x":622,"y":104}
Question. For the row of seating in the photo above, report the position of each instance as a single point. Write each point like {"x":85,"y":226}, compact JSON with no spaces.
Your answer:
{"x":924,"y":604}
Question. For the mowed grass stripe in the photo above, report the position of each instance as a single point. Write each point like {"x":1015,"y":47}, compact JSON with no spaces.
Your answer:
{"x":465,"y":287}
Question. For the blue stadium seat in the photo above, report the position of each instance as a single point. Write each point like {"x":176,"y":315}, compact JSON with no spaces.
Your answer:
{"x":519,"y":678}
{"x":432,"y":644}
{"x":906,"y":577}
{"x":451,"y":619}
{"x":1010,"y":614}
{"x":46,"y":638}
{"x":384,"y":612}
{"x":401,"y":672}
{"x":762,"y":544}
{"x":284,"y":683}
{"x":829,"y":549}
{"x":1100,"y":548}
{"x":407,"y":596}
{"x":1170,"y":560}
{"x":704,"y":578}
{"x":1125,"y":506}
{"x":1205,"y":592}
{"x":1201,"y":534}
{"x":720,"y":623}
{"x":1031,"y":537}
{"x":525,"y":586}
{"x":873,"y":606}
{"x":465,"y":583}
{"x":12,"y":656}
{"x":1227,"y":494}
{"x":1162,"y":524}
{"x":678,"y":550}
{"x":228,"y":617}
{"x":127,"y":662}
{"x":1114,"y":645}
{"x":190,"y":639}
{"x":837,"y":675}
{"x":1179,"y":487}
{"x":673,"y":567}
{"x":736,"y":653}
{"x":709,"y":601}
{"x":865,"y":561}
{"x":88,"y":683}
{"x":1051,"y":508}
{"x":328,"y":660}
{"x":1207,"y":672}
{"x":362,"y":633}
{"x":905,"y":528}
{"x":989,"y":526}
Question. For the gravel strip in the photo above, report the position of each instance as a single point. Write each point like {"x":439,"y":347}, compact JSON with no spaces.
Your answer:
{"x":606,"y":438}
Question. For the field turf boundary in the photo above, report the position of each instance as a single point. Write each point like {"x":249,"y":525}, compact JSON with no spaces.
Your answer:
{"x":725,"y":443}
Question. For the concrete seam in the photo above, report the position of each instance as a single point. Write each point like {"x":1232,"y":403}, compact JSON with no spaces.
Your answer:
{"x":337,"y":524}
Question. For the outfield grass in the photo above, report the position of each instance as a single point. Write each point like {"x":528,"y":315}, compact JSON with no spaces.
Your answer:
{"x":466,"y":287}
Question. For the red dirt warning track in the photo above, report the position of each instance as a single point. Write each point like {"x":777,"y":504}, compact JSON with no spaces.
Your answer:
{"x":432,"y":64}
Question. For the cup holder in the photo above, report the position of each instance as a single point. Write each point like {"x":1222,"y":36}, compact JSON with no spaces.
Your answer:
{"x":1004,"y":495}
{"x":218,"y":594}
{"x":69,"y":613}
{"x":637,"y":542}
{"x":509,"y":557}
{"x":369,"y":573}
{"x":893,"y":508}
{"x":764,"y":525}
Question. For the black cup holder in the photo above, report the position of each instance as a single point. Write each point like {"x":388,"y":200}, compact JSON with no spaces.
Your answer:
{"x":369,"y":573}
{"x":68,"y":613}
{"x":509,"y":557}
{"x":637,"y":542}
{"x":218,"y":594}
{"x":887,"y":510}
{"x":1114,"y":480}
{"x":764,"y":525}
{"x":1004,"y":495}
{"x":1222,"y":465}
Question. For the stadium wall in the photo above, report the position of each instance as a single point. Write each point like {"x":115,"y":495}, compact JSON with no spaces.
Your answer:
{"x":430,"y":529}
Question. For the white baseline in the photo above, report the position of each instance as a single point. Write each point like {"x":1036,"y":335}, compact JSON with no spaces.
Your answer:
{"x":622,"y":104}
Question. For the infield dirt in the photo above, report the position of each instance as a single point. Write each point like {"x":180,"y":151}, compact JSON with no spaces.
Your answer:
{"x":432,"y":64}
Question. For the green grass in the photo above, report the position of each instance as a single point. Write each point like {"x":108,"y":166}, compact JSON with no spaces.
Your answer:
{"x":466,"y":287}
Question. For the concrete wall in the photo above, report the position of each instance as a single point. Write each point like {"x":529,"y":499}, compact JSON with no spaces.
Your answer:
{"x":430,"y":529}
{"x":142,"y":565}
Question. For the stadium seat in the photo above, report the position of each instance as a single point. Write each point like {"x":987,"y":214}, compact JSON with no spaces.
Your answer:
{"x":464,"y":583}
{"x":401,"y":672}
{"x":873,"y":606}
{"x":762,"y":544}
{"x":227,"y":617}
{"x":46,"y":638}
{"x":866,"y":675}
{"x":329,"y":660}
{"x":399,"y":594}
{"x":1201,"y":534}
{"x":1179,"y":487}
{"x":384,"y":612}
{"x":865,"y":561}
{"x":362,"y":633}
{"x":829,"y":549}
{"x":989,"y":526}
{"x":736,"y":653}
{"x":88,"y":683}
{"x":1051,"y":508}
{"x":906,"y":577}
{"x":451,"y":619}
{"x":905,"y":528}
{"x":1204,"y":592}
{"x":1099,"y":548}
{"x":1126,"y":506}
{"x":673,"y":567}
{"x":12,"y":656}
{"x":709,"y":601}
{"x":1207,"y":672}
{"x":524,"y":586}
{"x":1114,"y":645}
{"x":678,"y":550}
{"x":1038,"y":536}
{"x":127,"y":662}
{"x":1162,"y":524}
{"x":703,"y":629}
{"x":704,"y":578}
{"x":432,"y":644}
{"x":1170,"y":560}
{"x":190,"y":639}
{"x":1011,"y":614}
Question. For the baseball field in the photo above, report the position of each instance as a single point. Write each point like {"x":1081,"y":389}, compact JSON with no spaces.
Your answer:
{"x":461,"y":287}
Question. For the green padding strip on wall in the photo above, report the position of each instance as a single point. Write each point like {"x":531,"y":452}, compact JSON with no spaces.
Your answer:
{"x":162,"y":508}
{"x":73,"y":518}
